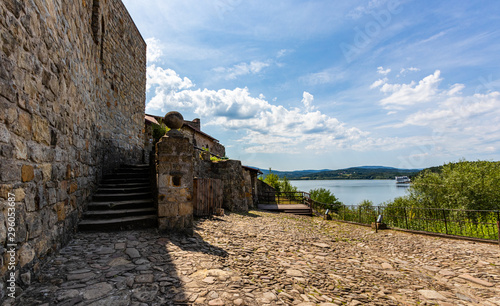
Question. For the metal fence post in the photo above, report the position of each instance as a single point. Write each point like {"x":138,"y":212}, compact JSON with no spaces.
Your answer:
{"x":498,"y":226}
{"x":406,"y":218}
{"x":445,"y":223}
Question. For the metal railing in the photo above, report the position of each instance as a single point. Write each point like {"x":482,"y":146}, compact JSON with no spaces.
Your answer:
{"x":477,"y":224}
{"x":481,"y":224}
{"x":284,"y":198}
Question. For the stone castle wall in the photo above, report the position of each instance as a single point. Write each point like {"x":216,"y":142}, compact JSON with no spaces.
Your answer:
{"x":72,"y":96}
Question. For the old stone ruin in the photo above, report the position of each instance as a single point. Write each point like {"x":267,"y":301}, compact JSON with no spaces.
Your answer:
{"x":72,"y":96}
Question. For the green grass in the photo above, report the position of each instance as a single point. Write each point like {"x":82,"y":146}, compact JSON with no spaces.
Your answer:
{"x":474,"y":224}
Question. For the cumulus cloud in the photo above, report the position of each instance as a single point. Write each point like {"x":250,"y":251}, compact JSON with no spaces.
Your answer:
{"x":378,"y":83}
{"x":411,"y":69}
{"x":267,"y":126}
{"x":165,"y":79}
{"x":454,"y":111}
{"x":307,"y":100}
{"x":381,"y":70}
{"x":153,"y":50}
{"x":458,"y":123}
{"x":241,"y":69}
{"x":401,"y":95}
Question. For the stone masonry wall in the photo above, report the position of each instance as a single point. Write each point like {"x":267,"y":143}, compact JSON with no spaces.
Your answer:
{"x":72,"y":94}
{"x":237,"y":193}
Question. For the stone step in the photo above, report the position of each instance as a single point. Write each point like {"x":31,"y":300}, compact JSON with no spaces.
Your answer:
{"x":125,"y":185}
{"x":135,"y":166}
{"x":125,"y":175}
{"x":118,"y":189}
{"x":101,"y":197}
{"x":117,"y":213}
{"x":124,"y":204}
{"x":125,"y":180}
{"x":307,"y":212}
{"x":123,"y":223}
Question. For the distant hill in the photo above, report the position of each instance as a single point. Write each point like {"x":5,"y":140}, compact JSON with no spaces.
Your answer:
{"x":353,"y":173}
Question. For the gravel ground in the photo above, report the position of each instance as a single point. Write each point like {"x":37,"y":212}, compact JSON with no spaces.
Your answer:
{"x":261,"y":258}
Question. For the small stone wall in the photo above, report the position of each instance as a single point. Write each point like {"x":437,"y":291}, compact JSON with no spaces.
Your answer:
{"x":174,"y":154}
{"x":72,"y":93}
{"x":237,"y":193}
{"x":265,"y":193}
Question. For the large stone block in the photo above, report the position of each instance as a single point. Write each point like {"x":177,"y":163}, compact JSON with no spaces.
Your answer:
{"x":20,"y":148}
{"x":170,"y":209}
{"x":60,"y":210}
{"x":10,"y":171}
{"x":185,"y":208}
{"x":46,"y":171}
{"x":26,"y":254}
{"x":22,"y":126}
{"x":41,"y":131}
{"x":4,"y":134}
{"x":27,"y":173}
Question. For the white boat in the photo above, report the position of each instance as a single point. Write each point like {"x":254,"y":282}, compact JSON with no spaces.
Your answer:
{"x":403,"y":180}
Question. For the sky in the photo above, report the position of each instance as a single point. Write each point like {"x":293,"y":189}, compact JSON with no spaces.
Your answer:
{"x":322,"y":84}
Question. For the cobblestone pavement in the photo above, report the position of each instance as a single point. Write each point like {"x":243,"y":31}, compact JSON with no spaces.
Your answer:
{"x":268,"y":259}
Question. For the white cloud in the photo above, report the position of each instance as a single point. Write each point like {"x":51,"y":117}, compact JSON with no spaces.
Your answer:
{"x":165,"y":79}
{"x":307,"y":100}
{"x":267,"y":126}
{"x":153,"y":50}
{"x":378,"y":83}
{"x":381,"y":70}
{"x":327,"y":76}
{"x":361,"y":10}
{"x":411,"y":69}
{"x":408,"y":94}
{"x":455,"y":89}
{"x":454,"y":111}
{"x":240,"y":69}
{"x":282,"y":53}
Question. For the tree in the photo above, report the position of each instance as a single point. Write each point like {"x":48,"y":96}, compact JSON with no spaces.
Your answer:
{"x":323,"y":195}
{"x":461,"y":185}
{"x":280,"y":185}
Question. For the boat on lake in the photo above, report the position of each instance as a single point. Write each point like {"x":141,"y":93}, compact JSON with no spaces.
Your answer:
{"x":403,"y":181}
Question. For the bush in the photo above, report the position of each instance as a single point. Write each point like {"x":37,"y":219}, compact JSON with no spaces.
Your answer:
{"x":159,"y":130}
{"x":279,"y":185}
{"x":462,"y":185}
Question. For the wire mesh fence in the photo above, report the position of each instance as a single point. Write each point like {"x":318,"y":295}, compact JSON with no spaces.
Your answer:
{"x":482,"y":224}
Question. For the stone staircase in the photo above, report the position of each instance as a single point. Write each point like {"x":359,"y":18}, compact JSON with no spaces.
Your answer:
{"x":123,"y":201}
{"x":295,"y":209}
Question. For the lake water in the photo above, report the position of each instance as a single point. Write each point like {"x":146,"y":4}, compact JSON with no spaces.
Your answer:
{"x":352,"y":192}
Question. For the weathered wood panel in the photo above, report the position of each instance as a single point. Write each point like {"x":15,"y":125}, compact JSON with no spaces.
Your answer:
{"x":208,"y":196}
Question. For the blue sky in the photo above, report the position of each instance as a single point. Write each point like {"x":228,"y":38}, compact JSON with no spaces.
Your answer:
{"x":329,"y":84}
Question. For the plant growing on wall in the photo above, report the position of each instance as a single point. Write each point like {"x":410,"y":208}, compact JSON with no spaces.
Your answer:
{"x":159,"y":130}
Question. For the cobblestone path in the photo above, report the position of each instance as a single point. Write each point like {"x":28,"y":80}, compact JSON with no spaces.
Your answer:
{"x":268,"y":259}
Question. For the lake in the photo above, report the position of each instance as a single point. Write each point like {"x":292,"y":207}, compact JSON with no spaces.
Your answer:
{"x":352,"y":192}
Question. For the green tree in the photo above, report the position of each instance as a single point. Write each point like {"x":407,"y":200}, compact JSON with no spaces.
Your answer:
{"x":280,"y":185}
{"x":273,"y":180}
{"x":323,"y":195}
{"x":461,"y":185}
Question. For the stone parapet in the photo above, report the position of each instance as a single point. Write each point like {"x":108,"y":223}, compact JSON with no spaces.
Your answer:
{"x":175,"y":156}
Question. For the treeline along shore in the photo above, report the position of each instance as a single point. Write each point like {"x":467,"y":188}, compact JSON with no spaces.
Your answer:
{"x":353,"y":173}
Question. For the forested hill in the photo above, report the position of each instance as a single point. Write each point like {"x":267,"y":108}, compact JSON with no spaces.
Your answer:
{"x":354,"y":173}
